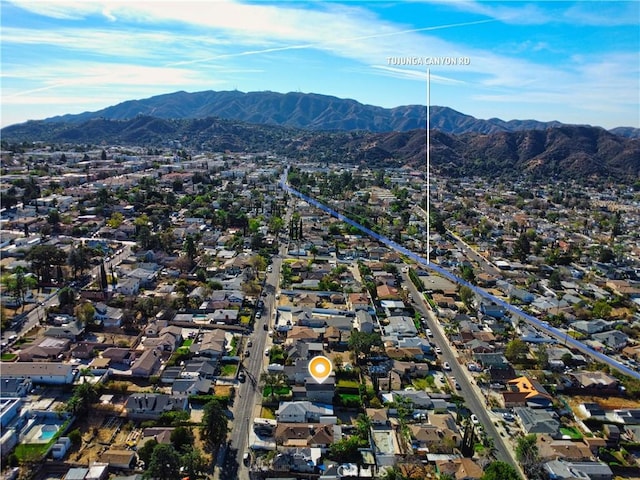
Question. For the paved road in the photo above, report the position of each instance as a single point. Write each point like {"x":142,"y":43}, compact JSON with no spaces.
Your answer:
{"x":248,"y":399}
{"x":474,"y":400}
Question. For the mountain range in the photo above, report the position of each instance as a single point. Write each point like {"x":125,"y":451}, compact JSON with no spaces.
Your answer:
{"x":564,"y":152}
{"x":308,"y":111}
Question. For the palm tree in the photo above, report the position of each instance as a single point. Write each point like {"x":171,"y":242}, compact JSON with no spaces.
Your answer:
{"x":272,"y":381}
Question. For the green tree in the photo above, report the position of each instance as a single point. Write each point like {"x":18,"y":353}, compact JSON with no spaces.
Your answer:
{"x":555,"y":280}
{"x":190,"y":248}
{"x":466,"y":295}
{"x":115,"y":220}
{"x":363,"y":426}
{"x":528,"y":456}
{"x":84,"y":395}
{"x":66,"y":296}
{"x":467,"y":273}
{"x":516,"y":350}
{"x":182,"y":439}
{"x":193,"y":464}
{"x":542,"y":356}
{"x":76,"y":437}
{"x":164,"y":463}
{"x":214,"y":425}
{"x":79,"y":259}
{"x":500,"y":471}
{"x":85,"y":312}
{"x":347,"y":450}
{"x":273,"y":381}
{"x":522,"y":247}
{"x":43,"y":258}
{"x":361,"y":343}
{"x":601,"y":309}
{"x":144,"y":452}
{"x":18,"y":284}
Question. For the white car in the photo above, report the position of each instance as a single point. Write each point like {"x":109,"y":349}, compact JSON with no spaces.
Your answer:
{"x":446,"y":366}
{"x":474,"y":419}
{"x":429,"y":332}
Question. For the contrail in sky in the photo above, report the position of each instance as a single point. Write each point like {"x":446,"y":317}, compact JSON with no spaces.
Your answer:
{"x":318,"y":44}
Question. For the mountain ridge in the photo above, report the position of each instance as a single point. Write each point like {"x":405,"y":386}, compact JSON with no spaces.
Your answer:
{"x":310,"y":111}
{"x":576,"y":152}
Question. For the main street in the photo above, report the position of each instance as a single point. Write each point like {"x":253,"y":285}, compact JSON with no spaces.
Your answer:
{"x":248,"y":398}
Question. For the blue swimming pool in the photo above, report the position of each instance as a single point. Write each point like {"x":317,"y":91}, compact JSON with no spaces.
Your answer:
{"x":47,"y":434}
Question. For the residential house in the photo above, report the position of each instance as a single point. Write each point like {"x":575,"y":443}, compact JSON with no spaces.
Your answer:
{"x":150,"y":406}
{"x":591,"y":326}
{"x":44,"y":348}
{"x":363,"y":321}
{"x":386,"y":292}
{"x":302,"y":412}
{"x":594,"y":381}
{"x":378,"y":416}
{"x":128,"y":286}
{"x":630,"y":416}
{"x":568,"y":450}
{"x":108,"y":316}
{"x":592,"y":409}
{"x":320,"y":392}
{"x":72,"y":330}
{"x":226,"y":316}
{"x":525,"y":391}
{"x":400,"y":326}
{"x":302,"y":435}
{"x":460,"y":468}
{"x":560,"y":470}
{"x":358,"y":301}
{"x":169,"y":338}
{"x":147,"y":364}
{"x":302,"y":333}
{"x":302,"y":460}
{"x":39,"y":372}
{"x":118,"y":355}
{"x":492,"y":310}
{"x":191,"y":386}
{"x":119,"y":459}
{"x":613,"y":339}
{"x":213,"y":344}
{"x":537,"y":421}
{"x":15,"y":387}
{"x":446,"y":423}
{"x":205,"y":369}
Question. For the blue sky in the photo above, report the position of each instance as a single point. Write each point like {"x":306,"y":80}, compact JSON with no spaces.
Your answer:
{"x":576,"y":62}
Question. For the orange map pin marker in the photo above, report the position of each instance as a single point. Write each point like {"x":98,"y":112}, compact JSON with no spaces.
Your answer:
{"x":320,"y":368}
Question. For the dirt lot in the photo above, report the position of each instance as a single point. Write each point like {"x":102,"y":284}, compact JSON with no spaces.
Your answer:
{"x":608,"y":403}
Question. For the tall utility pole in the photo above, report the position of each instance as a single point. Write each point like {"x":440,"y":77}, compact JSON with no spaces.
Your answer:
{"x":428,"y":166}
